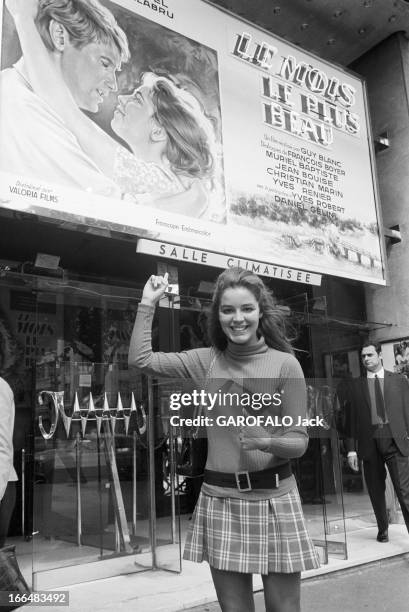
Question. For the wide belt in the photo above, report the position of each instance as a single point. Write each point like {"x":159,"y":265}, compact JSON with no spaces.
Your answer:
{"x":246,"y":481}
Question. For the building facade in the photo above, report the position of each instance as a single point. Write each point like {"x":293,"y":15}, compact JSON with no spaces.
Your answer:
{"x":98,"y":489}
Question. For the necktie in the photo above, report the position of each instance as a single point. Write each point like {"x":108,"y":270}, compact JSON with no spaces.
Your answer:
{"x":380,"y":405}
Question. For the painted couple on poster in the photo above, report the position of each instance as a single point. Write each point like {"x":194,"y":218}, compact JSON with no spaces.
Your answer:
{"x":186,"y":125}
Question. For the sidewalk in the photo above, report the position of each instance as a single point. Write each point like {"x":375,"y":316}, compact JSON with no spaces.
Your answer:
{"x":163,"y":591}
{"x":382,"y":586}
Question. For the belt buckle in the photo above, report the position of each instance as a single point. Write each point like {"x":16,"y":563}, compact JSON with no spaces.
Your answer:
{"x":238,"y":476}
{"x":277,"y":481}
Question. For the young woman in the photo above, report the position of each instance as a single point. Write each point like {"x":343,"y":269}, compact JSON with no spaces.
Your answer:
{"x":171,"y":140}
{"x":248,"y":518}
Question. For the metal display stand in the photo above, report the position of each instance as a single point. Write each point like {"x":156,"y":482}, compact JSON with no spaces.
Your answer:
{"x":105,"y":420}
{"x":123,"y":541}
{"x":104,"y":423}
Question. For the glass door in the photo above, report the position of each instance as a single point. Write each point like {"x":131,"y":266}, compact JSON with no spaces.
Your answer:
{"x":319,"y":473}
{"x":90,"y":452}
{"x":93,"y":456}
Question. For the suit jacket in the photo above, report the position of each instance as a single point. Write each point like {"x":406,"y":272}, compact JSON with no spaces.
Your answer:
{"x":359,"y":427}
{"x":37,"y":143}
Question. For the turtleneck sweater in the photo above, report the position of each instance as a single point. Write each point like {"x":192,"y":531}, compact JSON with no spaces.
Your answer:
{"x":239,"y":368}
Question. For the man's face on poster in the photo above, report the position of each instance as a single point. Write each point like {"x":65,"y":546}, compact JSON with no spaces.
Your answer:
{"x":90,"y":72}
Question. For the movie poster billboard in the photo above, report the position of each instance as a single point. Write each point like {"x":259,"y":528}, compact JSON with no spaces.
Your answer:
{"x":211,"y":134}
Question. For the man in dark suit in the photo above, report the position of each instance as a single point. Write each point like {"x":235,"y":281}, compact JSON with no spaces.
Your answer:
{"x":378,"y":433}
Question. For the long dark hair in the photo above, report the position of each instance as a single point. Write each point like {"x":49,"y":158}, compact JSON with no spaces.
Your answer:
{"x":272,"y":325}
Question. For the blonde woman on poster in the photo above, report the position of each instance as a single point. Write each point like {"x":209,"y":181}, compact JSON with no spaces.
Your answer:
{"x":171,"y":140}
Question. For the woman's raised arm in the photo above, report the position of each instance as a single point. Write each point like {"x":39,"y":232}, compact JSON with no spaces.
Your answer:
{"x":192,"y":364}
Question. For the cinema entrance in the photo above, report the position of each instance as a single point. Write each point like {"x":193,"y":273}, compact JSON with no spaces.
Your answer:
{"x":99,"y":490}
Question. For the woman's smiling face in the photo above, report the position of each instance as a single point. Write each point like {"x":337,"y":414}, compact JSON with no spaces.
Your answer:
{"x":239,"y":315}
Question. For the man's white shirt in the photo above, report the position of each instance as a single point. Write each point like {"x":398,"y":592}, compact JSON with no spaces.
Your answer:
{"x":380,"y":374}
{"x":37,"y":145}
{"x":7,"y":411}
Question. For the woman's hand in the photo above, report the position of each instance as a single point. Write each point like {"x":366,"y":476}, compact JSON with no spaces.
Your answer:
{"x":154,"y":289}
{"x":22,"y":8}
{"x":254,"y":438}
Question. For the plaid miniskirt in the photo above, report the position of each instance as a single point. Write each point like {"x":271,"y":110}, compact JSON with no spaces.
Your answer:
{"x":251,"y":536}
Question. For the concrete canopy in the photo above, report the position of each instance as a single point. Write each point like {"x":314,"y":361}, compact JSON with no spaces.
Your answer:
{"x":339,"y":31}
